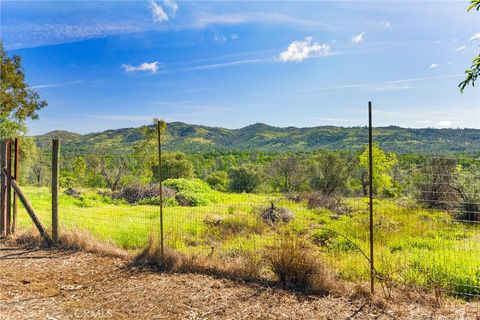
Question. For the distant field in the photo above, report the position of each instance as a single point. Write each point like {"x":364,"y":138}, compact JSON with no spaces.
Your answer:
{"x":412,"y":245}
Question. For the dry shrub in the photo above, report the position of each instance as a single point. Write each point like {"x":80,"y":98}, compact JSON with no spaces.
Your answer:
{"x":223,"y":227}
{"x":274,"y":215}
{"x":297,"y":267}
{"x":135,"y":192}
{"x":332,"y":203}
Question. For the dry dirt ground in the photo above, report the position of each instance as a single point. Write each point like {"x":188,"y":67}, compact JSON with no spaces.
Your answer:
{"x":53,"y":284}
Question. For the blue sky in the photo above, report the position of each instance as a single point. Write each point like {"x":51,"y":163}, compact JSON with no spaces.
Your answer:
{"x":103,"y":64}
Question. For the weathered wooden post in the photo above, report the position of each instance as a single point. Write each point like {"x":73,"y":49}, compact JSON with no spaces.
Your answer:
{"x":9,"y":188}
{"x":16,"y":165}
{"x":55,"y":187}
{"x":3,"y":188}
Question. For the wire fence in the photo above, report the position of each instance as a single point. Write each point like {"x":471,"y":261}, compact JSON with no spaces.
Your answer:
{"x":233,"y":206}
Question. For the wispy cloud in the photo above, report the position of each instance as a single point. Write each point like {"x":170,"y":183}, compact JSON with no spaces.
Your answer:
{"x":145,"y":67}
{"x":205,"y":19}
{"x":391,"y":85}
{"x":461,"y":48}
{"x":159,"y":13}
{"x":388,"y":25}
{"x":434,"y":66}
{"x":358,"y":38}
{"x":303,"y":49}
{"x":56,"y":84}
{"x":476,"y":36}
{"x":211,"y":66}
{"x":423,"y":121}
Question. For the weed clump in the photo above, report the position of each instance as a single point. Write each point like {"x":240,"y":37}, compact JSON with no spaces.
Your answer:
{"x":297,"y":267}
{"x":274,"y":215}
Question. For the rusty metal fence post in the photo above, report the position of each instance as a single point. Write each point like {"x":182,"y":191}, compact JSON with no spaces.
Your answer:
{"x":370,"y":172}
{"x":55,"y":187}
{"x":16,"y":176}
{"x":160,"y":125}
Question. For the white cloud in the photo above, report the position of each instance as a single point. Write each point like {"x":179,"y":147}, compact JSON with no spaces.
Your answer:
{"x":476,"y":36}
{"x":150,"y":67}
{"x":434,"y":66}
{"x":158,"y":12}
{"x":423,"y":121}
{"x":461,"y":48}
{"x":220,"y":39}
{"x":234,"y":36}
{"x":358,"y":38}
{"x":388,"y":25}
{"x":303,"y":49}
{"x":172,"y":6}
{"x":444,"y":124}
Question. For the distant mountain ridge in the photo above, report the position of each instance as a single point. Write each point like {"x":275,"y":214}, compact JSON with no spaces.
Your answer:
{"x":262,"y":137}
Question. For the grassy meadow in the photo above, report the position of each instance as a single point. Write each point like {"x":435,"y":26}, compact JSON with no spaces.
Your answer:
{"x":412,"y":245}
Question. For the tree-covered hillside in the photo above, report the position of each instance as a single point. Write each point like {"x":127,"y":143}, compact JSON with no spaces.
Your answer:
{"x":196,"y":138}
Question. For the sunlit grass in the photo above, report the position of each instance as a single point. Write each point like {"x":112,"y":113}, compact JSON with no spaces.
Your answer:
{"x":412,"y":245}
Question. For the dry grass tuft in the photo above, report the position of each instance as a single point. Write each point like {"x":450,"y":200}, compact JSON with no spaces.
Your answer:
{"x":245,"y":268}
{"x":297,"y":267}
{"x":70,"y":240}
{"x":84,"y":241}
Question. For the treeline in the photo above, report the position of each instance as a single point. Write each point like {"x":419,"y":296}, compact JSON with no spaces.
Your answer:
{"x":448,"y":183}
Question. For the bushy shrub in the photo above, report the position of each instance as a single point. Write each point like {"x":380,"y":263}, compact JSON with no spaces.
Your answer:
{"x":192,"y":192}
{"x":244,"y":179}
{"x":218,"y":180}
{"x":167,"y":202}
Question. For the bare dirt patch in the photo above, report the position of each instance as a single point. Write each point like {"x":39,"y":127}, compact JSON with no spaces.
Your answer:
{"x":55,"y":284}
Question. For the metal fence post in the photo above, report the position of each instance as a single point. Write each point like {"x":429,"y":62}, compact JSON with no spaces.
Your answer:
{"x":55,"y":187}
{"x":159,"y":132}
{"x":370,"y":169}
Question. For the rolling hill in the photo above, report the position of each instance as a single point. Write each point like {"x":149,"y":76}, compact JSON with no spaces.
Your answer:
{"x":197,"y":138}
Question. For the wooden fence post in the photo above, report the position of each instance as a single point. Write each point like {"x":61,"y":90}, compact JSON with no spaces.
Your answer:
{"x":3,"y":188}
{"x":55,"y":187}
{"x":16,"y":164}
{"x":9,"y":188}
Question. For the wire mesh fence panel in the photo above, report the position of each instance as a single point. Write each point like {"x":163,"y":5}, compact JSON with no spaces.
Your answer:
{"x":270,"y":213}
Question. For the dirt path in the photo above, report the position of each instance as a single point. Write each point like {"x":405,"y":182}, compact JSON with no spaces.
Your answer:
{"x":41,"y":284}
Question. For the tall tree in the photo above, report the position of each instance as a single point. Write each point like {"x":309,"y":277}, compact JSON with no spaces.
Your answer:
{"x":19,"y":102}
{"x":473,"y":73}
{"x":382,"y":165}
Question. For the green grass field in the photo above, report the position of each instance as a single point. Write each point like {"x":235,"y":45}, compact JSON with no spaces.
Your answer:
{"x":412,"y":245}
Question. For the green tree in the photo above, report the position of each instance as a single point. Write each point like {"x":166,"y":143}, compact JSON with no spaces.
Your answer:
{"x":174,"y":165}
{"x":382,"y":165}
{"x":218,"y":180}
{"x":19,"y":102}
{"x":245,"y":178}
{"x":472,"y":74}
{"x":286,"y":174}
{"x":329,"y":174}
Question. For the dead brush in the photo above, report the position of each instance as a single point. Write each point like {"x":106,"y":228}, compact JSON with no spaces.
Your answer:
{"x":70,"y":240}
{"x":247,"y":267}
{"x":297,"y":267}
